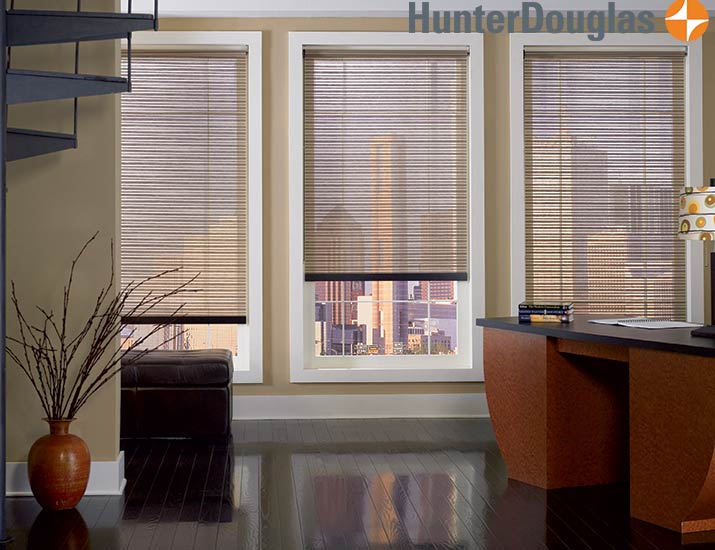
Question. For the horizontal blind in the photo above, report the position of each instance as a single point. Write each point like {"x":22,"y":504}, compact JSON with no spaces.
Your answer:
{"x":385,"y":165}
{"x":604,"y":162}
{"x":184,"y":182}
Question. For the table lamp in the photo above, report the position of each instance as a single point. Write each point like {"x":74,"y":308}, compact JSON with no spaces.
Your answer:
{"x":697,"y":222}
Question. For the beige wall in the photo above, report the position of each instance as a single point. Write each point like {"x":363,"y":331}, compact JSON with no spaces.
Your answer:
{"x":275,"y":177}
{"x":55,"y":203}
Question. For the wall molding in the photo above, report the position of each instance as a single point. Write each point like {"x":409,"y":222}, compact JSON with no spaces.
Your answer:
{"x":431,"y":405}
{"x":106,"y":478}
{"x":363,"y":8}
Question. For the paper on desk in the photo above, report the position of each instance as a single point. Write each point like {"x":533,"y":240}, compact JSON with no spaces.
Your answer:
{"x":643,"y":322}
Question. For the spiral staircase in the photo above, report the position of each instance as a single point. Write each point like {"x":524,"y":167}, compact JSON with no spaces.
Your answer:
{"x":31,"y":27}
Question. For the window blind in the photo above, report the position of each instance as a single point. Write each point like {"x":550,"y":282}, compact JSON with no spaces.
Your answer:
{"x":184,"y":182}
{"x":385,"y":165}
{"x":604,"y":161}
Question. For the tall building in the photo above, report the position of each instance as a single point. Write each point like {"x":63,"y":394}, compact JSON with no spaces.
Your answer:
{"x":547,"y":282}
{"x":337,"y":292}
{"x":439,"y":290}
{"x":330,"y":291}
{"x":389,"y":307}
{"x":365,"y":318}
{"x":390,"y":316}
{"x":416,"y":343}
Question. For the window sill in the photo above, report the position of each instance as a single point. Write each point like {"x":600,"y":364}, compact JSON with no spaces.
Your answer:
{"x":389,"y":375}
{"x":247,"y":377}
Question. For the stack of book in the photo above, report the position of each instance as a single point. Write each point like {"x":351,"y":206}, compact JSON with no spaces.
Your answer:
{"x":545,"y":313}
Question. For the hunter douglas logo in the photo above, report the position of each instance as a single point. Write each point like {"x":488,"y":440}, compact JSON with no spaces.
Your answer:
{"x":686,"y":20}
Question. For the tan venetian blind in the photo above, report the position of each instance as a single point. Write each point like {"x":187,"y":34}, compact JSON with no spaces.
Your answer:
{"x":184,"y":181}
{"x":604,"y":161}
{"x":386,"y":165}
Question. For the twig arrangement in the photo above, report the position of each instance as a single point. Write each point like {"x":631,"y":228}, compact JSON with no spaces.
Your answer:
{"x":49,"y":356}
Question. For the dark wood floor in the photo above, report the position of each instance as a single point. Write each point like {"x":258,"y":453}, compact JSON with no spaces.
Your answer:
{"x":335,"y":484}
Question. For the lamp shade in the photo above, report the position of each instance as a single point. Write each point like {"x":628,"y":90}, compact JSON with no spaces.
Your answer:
{"x":697,"y":213}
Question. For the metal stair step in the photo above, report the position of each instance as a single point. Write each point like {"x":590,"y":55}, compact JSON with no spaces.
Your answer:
{"x":22,"y":144}
{"x":28,"y":86}
{"x":26,"y":27}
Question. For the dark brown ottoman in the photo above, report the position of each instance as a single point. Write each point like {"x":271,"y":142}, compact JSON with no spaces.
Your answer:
{"x":177,"y":394}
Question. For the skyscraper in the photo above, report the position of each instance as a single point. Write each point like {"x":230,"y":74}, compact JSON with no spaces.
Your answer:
{"x":389,"y":315}
{"x":338,"y":292}
{"x":439,"y":290}
{"x":389,"y":309}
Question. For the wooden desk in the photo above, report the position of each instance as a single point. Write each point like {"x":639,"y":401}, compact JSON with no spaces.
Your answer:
{"x":585,"y":404}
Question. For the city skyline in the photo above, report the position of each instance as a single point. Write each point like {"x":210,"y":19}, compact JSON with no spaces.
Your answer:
{"x":388,"y":318}
{"x":181,"y":337}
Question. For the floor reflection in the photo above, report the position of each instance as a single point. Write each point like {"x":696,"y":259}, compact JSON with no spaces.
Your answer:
{"x":327,"y":485}
{"x":53,"y":529}
{"x":93,"y":524}
{"x":378,"y":500}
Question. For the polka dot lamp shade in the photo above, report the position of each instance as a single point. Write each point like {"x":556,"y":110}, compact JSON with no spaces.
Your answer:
{"x":697,"y":213}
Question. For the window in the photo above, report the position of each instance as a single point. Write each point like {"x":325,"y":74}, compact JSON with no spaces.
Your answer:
{"x":604,"y":159}
{"x":386,"y":186}
{"x":386,"y":318}
{"x":188,"y":191}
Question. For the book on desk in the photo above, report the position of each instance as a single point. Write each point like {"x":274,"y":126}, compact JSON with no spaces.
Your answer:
{"x":546,"y":312}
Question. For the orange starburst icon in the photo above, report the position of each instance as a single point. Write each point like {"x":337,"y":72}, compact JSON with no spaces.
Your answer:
{"x":686,"y":20}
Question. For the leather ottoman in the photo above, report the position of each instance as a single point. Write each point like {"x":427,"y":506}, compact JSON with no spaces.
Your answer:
{"x":177,"y":394}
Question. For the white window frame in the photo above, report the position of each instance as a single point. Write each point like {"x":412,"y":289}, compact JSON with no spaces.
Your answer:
{"x":693,"y":144}
{"x":248,"y":364}
{"x":467,"y":365}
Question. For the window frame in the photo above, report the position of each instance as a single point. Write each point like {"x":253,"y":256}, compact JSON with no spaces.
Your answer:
{"x":465,"y":367}
{"x":693,"y":144}
{"x":248,"y":366}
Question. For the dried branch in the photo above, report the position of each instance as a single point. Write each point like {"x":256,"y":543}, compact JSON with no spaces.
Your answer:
{"x":48,"y":354}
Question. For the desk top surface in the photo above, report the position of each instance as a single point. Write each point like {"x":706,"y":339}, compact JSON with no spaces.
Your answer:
{"x":677,"y":340}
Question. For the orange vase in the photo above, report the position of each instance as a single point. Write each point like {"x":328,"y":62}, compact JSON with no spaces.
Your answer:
{"x":58,"y":467}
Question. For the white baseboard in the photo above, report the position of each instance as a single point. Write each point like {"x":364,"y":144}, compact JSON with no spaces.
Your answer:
{"x":444,"y":405}
{"x":105,"y":478}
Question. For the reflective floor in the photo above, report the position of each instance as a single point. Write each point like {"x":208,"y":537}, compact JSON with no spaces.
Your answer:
{"x":335,"y":484}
